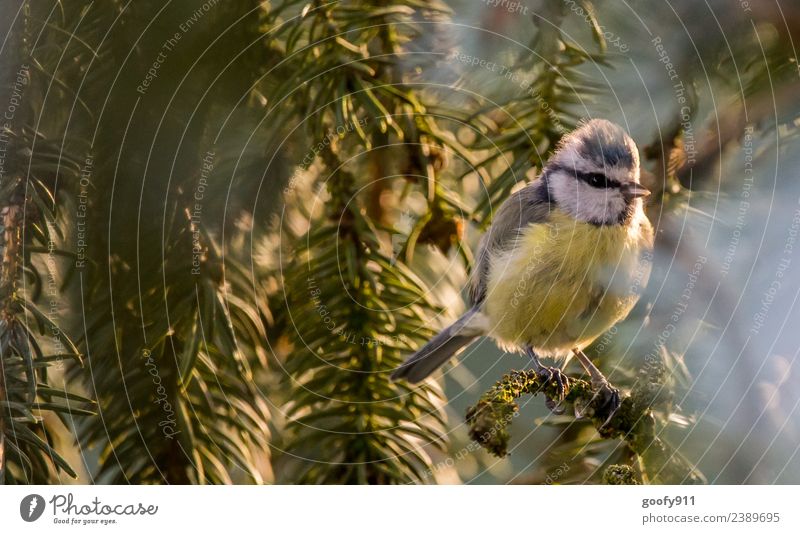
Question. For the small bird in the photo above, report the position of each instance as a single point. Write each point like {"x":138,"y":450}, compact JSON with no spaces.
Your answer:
{"x":566,"y":257}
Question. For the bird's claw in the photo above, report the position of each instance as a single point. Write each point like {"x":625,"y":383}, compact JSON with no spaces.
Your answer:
{"x":553,"y":374}
{"x":555,"y":407}
{"x":609,"y":401}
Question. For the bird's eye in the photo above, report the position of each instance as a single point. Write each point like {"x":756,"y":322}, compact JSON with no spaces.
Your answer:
{"x":597,"y":180}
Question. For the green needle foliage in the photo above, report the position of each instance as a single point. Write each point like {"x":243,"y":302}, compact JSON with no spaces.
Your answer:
{"x":552,"y":92}
{"x":349,"y":423}
{"x":170,"y":325}
{"x":33,"y":347}
{"x":356,"y":308}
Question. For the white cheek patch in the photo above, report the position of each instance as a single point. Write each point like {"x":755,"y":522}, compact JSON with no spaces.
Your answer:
{"x":565,"y":192}
{"x":587,"y":203}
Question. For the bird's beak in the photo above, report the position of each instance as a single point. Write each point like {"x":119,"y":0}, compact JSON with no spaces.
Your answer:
{"x":634,"y":190}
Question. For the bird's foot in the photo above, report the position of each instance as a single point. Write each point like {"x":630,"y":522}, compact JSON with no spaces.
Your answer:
{"x":555,"y":407}
{"x":553,"y":374}
{"x":608,"y":400}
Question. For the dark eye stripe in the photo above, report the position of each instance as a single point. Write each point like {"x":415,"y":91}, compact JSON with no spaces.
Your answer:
{"x":597,"y":179}
{"x":601,"y":179}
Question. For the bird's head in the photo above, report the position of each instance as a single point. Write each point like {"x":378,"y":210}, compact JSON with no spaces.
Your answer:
{"x":594,"y":174}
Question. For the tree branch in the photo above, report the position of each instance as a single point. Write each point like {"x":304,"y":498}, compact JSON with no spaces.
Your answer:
{"x":634,"y":422}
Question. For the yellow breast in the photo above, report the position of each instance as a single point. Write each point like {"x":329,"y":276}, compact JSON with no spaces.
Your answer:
{"x":566,"y":282}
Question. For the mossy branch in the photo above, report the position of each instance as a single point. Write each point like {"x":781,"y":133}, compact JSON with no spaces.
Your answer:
{"x":620,"y":475}
{"x":634,"y":422}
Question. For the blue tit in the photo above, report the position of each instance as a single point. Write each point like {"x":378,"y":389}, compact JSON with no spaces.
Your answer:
{"x":566,"y":257}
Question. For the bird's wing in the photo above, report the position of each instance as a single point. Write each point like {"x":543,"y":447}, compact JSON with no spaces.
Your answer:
{"x":529,"y":205}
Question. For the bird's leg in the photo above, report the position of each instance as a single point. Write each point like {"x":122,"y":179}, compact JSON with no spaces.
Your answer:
{"x":550,"y":374}
{"x":601,"y":385}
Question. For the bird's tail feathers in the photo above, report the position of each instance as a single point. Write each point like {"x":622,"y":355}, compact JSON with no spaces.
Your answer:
{"x":442,"y":347}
